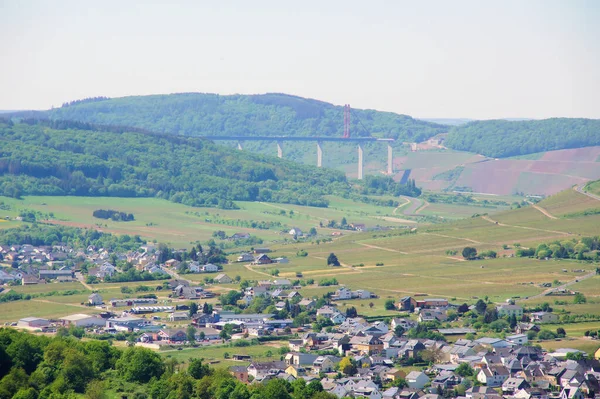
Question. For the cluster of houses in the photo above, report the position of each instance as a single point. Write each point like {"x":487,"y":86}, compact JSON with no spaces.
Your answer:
{"x":261,"y":257}
{"x":41,"y":264}
{"x":506,"y":368}
{"x":503,"y":367}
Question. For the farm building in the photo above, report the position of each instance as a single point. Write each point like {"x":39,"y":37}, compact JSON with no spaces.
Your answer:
{"x":115,"y":303}
{"x":245,"y":257}
{"x":262,"y":259}
{"x":177,"y":316}
{"x":82,"y":320}
{"x":33,"y":322}
{"x":53,"y":274}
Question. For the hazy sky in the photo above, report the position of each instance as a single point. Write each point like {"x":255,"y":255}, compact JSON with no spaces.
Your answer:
{"x":473,"y":59}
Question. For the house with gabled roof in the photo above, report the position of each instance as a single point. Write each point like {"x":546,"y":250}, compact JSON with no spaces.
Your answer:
{"x":493,"y":375}
{"x":222,"y":278}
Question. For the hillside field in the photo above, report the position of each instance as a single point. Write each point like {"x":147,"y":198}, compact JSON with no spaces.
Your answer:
{"x":391,"y":264}
{"x":537,"y":174}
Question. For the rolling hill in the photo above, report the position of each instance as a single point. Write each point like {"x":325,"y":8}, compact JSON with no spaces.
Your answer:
{"x":72,"y":158}
{"x":501,"y":138}
{"x":197,"y":114}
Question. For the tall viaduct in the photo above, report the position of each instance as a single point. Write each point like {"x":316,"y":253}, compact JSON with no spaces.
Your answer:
{"x":318,"y":140}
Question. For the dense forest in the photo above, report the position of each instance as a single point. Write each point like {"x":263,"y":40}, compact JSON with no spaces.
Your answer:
{"x":500,"y":138}
{"x":38,"y":158}
{"x":194,"y":114}
{"x":64,"y":367}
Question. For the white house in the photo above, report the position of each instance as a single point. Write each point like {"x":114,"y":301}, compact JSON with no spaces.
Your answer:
{"x":325,"y":364}
{"x":195,"y":267}
{"x":510,"y":310}
{"x":520,"y":339}
{"x":295,"y":231}
{"x":95,"y":299}
{"x":417,"y":379}
{"x":245,"y":257}
{"x":493,"y":376}
{"x":342,"y":294}
{"x":337,"y":318}
{"x":210,"y":268}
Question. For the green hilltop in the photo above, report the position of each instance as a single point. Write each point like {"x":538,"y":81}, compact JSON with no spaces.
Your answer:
{"x":194,"y":114}
{"x":501,"y":138}
{"x":275,"y":114}
{"x":73,"y":158}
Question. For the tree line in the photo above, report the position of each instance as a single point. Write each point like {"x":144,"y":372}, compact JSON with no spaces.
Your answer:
{"x":38,"y":160}
{"x":501,"y":138}
{"x":40,"y":367}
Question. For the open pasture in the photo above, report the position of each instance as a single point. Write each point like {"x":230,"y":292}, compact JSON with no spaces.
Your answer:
{"x":178,"y":224}
{"x":216,"y":353}
{"x":38,"y":307}
{"x":457,"y":211}
{"x":568,"y":201}
{"x":583,"y":344}
{"x":45,"y":288}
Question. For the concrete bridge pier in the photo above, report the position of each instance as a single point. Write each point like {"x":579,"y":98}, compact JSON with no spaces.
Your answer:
{"x":319,"y":154}
{"x":240,"y":146}
{"x":360,"y":162}
{"x":280,"y":149}
{"x":390,"y":165}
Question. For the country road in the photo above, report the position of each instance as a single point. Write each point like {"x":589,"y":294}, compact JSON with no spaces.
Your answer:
{"x":565,"y":285}
{"x":81,"y":279}
{"x":415,"y":203}
{"x":579,"y":189}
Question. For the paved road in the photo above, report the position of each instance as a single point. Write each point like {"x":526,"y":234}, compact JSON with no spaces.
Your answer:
{"x":579,"y":189}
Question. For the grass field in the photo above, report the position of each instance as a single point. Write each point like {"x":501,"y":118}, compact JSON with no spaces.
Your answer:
{"x":384,"y":262}
{"x":594,"y":187}
{"x":179,"y":225}
{"x":213,"y":354}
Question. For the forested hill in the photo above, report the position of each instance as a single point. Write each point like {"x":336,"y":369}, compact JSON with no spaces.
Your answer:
{"x":194,"y":114}
{"x":72,"y":158}
{"x":500,"y":138}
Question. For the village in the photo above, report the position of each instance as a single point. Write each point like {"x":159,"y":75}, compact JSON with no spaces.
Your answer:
{"x":418,"y":354}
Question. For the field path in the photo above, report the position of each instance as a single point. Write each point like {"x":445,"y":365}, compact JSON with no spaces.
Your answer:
{"x":296,"y":211}
{"x":489,"y":219}
{"x":60,"y":303}
{"x":565,"y":285}
{"x":81,"y":279}
{"x":423,"y":207}
{"x":382,"y":248}
{"x":545,"y":212}
{"x":459,"y":238}
{"x":256,"y":271}
{"x":415,"y":204}
{"x":542,"y":210}
{"x":413,"y":292}
{"x":401,"y":205}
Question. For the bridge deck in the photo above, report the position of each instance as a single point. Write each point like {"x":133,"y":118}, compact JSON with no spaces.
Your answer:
{"x":287,"y":138}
